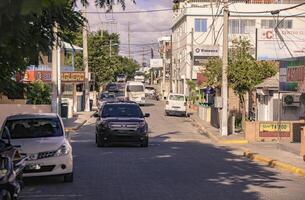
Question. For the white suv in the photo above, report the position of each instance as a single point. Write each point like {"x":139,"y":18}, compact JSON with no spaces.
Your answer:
{"x":41,"y":137}
{"x":176,"y":105}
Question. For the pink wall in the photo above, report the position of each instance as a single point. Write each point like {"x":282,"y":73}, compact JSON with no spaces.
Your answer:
{"x":10,"y":109}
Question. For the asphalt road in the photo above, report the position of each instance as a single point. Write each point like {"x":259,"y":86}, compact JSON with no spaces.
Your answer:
{"x":179,"y":164}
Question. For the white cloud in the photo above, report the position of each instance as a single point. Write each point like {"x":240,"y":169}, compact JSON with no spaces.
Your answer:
{"x":145,"y":27}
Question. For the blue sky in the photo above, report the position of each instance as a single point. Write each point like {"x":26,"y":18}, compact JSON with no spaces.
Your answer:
{"x":145,"y":27}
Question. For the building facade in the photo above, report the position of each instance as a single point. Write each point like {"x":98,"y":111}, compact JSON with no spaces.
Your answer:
{"x":197,"y":27}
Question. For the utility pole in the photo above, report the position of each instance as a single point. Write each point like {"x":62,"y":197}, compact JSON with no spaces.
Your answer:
{"x":192,"y":54}
{"x":129,"y":40}
{"x":85,"y":61}
{"x":164,"y":68}
{"x":143,"y":56}
{"x":224,"y":87}
{"x":171,"y":66}
{"x":110,"y":49}
{"x":55,"y":99}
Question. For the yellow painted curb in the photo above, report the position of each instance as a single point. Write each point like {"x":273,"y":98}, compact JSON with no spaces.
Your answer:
{"x":275,"y":164}
{"x":233,"y":141}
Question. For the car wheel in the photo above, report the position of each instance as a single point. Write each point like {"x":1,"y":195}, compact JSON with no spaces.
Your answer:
{"x":99,"y":142}
{"x":68,"y":178}
{"x":166,"y":114}
{"x":144,"y":143}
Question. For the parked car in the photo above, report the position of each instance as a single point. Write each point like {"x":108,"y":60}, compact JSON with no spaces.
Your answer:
{"x":121,"y":78}
{"x":104,"y":97}
{"x":112,"y":88}
{"x":120,"y":122}
{"x":176,"y":104}
{"x":134,"y":91}
{"x":42,"y":139}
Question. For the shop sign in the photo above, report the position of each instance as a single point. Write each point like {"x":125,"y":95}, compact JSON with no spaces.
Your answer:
{"x":271,"y":129}
{"x":292,"y":77}
{"x":73,"y":76}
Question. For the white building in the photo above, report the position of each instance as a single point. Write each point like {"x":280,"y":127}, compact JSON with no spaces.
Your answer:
{"x":205,"y":18}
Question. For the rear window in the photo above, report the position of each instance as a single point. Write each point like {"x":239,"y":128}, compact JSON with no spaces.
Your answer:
{"x":135,"y":88}
{"x":176,"y":97}
{"x":34,"y":128}
{"x":121,"y":110}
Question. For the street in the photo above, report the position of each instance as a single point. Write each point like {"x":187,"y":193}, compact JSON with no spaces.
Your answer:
{"x":178,"y":164}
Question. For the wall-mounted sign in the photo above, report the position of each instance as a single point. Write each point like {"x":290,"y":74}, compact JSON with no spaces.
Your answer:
{"x":46,"y":76}
{"x":156,"y":63}
{"x":273,"y":129}
{"x":292,"y":77}
{"x":73,"y":76}
{"x":271,"y":47}
{"x":204,"y":53}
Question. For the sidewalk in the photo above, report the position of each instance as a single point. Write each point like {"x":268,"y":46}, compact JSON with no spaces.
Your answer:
{"x":77,"y":121}
{"x":271,"y":154}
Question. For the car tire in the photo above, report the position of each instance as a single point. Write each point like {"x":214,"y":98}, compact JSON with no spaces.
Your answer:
{"x":68,"y":178}
{"x":144,"y":143}
{"x":166,"y":114}
{"x":99,"y":142}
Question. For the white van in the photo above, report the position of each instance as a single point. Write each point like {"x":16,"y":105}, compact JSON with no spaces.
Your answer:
{"x":176,"y":105}
{"x":135,"y":91}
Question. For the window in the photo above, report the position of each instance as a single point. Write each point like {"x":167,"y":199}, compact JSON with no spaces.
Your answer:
{"x":135,"y":88}
{"x":270,"y":23}
{"x":241,"y":26}
{"x":34,"y":128}
{"x":201,"y":25}
{"x":118,"y":110}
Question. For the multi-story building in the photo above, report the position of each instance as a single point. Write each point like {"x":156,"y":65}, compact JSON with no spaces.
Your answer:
{"x":205,"y":19}
{"x":165,"y":54}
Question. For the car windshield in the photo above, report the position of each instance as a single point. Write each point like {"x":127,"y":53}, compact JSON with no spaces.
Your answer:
{"x":34,"y":128}
{"x":135,"y":88}
{"x":176,"y":97}
{"x":121,"y":110}
{"x":105,"y":96}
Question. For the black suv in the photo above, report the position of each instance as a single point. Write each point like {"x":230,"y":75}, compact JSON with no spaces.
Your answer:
{"x":119,"y":122}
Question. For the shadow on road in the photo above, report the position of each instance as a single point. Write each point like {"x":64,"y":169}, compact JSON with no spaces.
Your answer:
{"x":164,"y":170}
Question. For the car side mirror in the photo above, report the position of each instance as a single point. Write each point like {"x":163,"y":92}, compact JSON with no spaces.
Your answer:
{"x":146,"y":115}
{"x":7,"y":135}
{"x":96,"y":115}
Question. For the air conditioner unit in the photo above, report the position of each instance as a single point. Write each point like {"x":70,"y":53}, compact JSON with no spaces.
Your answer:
{"x":292,"y":100}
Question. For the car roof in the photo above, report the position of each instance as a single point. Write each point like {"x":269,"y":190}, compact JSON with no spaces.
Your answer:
{"x":32,"y":116}
{"x":120,"y":102}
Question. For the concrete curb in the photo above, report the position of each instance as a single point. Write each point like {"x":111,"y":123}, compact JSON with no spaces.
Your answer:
{"x":216,"y":139}
{"x":75,"y":128}
{"x":274,"y":163}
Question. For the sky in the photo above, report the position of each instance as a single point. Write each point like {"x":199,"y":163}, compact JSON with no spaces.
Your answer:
{"x":144,"y":27}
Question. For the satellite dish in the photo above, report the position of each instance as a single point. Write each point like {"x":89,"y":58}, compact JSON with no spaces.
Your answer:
{"x":302,"y":99}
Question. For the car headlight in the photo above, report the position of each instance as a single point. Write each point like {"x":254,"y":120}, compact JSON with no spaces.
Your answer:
{"x":63,"y":150}
{"x":142,"y":124}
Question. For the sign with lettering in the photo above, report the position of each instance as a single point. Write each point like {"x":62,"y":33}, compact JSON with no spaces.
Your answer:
{"x":292,"y":75}
{"x":271,"y":129}
{"x":284,"y":43}
{"x":73,"y":76}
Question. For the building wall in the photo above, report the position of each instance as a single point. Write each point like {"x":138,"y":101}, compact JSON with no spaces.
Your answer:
{"x":183,"y":23}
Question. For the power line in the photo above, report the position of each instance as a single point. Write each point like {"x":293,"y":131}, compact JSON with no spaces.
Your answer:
{"x":269,"y":11}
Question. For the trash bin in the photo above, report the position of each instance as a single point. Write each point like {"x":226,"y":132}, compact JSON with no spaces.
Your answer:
{"x":64,"y":110}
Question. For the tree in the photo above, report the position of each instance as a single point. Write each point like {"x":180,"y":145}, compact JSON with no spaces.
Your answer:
{"x":104,"y":67}
{"x":245,"y":72}
{"x":27,"y":29}
{"x":39,"y":93}
{"x":213,"y":72}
